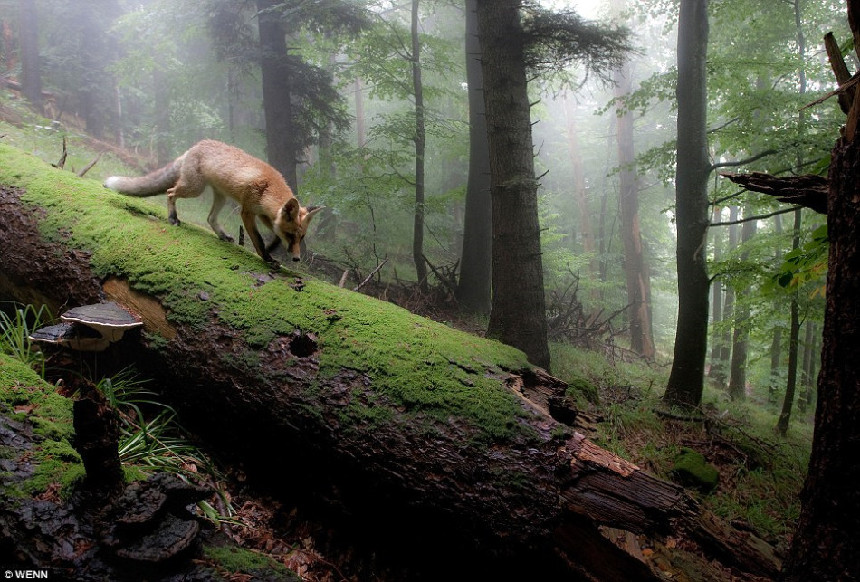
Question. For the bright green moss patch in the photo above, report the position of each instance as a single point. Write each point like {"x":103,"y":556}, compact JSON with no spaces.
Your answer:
{"x":241,"y":561}
{"x":423,"y":366}
{"x":26,"y":397}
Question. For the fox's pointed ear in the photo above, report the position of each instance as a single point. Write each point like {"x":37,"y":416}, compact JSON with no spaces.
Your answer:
{"x":313,"y":210}
{"x":291,"y":209}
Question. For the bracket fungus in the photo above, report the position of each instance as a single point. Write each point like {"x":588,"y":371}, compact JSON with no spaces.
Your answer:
{"x":89,"y":327}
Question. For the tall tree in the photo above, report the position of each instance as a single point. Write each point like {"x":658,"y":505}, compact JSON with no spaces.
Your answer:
{"x":740,"y":336}
{"x":420,"y":149}
{"x":281,"y":148}
{"x":691,"y":208}
{"x":28,"y":43}
{"x":793,"y":343}
{"x":518,"y":315}
{"x":637,"y":275}
{"x":473,"y":288}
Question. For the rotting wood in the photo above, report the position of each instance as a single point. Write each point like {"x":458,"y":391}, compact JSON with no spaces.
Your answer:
{"x":525,"y":502}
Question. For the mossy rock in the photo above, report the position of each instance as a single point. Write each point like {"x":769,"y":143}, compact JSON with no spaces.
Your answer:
{"x":692,"y":470}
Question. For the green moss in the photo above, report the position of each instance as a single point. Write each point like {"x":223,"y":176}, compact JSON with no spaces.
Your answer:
{"x":424,"y":367}
{"x":53,"y":458}
{"x":242,"y":561}
{"x":692,"y":470}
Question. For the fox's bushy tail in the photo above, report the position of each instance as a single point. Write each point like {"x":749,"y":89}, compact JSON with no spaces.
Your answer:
{"x":154,"y":183}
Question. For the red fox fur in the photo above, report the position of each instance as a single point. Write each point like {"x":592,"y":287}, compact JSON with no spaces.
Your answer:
{"x":260,"y":190}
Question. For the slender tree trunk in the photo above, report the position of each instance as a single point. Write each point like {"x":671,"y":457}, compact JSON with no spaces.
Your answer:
{"x":580,"y":193}
{"x":28,"y":41}
{"x":518,"y":315}
{"x":806,"y":380}
{"x":637,"y":275}
{"x":691,"y":192}
{"x":474,"y":287}
{"x":420,"y":147}
{"x":740,"y":339}
{"x":723,"y":365}
{"x":716,"y":300}
{"x":776,"y":341}
{"x":277,"y":92}
{"x":793,"y":340}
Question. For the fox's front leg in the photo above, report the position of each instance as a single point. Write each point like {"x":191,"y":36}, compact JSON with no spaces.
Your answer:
{"x":250,"y":222}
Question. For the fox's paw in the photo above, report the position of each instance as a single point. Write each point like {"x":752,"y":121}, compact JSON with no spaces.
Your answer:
{"x":226,"y":237}
{"x":173,"y":220}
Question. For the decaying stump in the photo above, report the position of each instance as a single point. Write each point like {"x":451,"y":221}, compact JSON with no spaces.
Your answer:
{"x":354,"y":403}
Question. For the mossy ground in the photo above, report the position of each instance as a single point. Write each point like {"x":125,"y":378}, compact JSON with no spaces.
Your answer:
{"x":421,"y":365}
{"x":25,"y":397}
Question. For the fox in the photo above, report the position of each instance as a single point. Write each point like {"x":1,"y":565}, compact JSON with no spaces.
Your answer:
{"x":260,"y":190}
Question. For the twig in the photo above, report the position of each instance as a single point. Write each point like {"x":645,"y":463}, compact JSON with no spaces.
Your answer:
{"x":369,"y":277}
{"x":89,"y":166}
{"x":62,"y":160}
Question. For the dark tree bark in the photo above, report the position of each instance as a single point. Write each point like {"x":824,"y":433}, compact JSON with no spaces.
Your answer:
{"x":28,"y":42}
{"x":793,"y":344}
{"x":518,"y":315}
{"x":420,"y":149}
{"x":473,"y":289}
{"x":824,"y":545}
{"x":686,"y":380}
{"x":534,"y":501}
{"x":277,"y":93}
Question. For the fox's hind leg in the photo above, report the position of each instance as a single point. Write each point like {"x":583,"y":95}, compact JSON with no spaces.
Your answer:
{"x":189,"y":185}
{"x":217,"y":204}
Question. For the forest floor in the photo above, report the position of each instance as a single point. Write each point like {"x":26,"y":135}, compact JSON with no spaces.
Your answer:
{"x":759,"y":473}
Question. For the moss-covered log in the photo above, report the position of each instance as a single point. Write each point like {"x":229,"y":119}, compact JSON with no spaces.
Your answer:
{"x":400,"y":422}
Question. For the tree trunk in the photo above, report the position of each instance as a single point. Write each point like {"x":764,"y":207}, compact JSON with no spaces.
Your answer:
{"x":385,"y":414}
{"x":277,"y":93}
{"x":716,"y":300}
{"x":518,"y":316}
{"x":793,"y":342}
{"x":420,"y":148}
{"x":474,"y":287}
{"x":637,"y":275}
{"x":691,"y":207}
{"x":776,"y":340}
{"x":825,"y":544}
{"x":28,"y":41}
{"x":740,"y":338}
{"x":580,"y":192}
{"x":725,"y":342}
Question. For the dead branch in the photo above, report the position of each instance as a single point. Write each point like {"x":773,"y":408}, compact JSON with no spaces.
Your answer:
{"x":62,"y":161}
{"x":370,"y":276}
{"x":89,"y":166}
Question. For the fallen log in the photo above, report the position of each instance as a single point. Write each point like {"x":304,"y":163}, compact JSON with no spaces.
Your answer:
{"x":403,"y":425}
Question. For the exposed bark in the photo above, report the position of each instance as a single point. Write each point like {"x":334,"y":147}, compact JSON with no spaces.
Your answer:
{"x":809,"y":190}
{"x":536,"y":502}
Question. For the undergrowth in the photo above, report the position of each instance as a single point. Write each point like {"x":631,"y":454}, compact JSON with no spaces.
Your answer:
{"x":151,"y":439}
{"x":761,"y":474}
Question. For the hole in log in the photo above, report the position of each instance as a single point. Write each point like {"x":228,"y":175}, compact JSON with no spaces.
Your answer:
{"x":303,"y":345}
